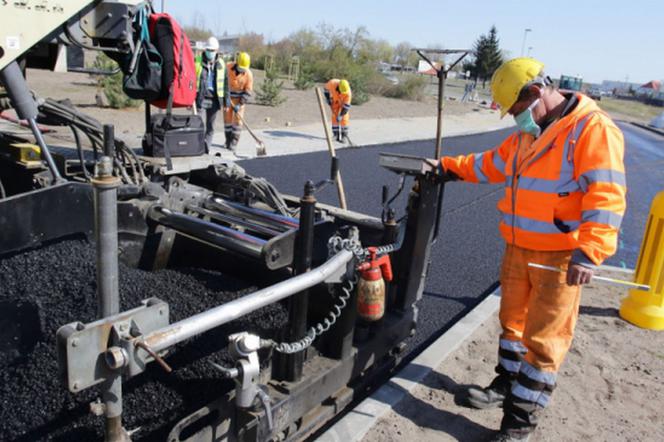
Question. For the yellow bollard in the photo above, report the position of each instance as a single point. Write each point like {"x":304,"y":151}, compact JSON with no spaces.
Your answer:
{"x":641,"y":308}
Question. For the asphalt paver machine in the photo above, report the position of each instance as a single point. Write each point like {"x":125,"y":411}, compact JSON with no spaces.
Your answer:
{"x":116,"y":364}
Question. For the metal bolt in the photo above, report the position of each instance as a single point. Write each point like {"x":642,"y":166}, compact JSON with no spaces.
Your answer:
{"x":74,"y":386}
{"x":161,"y":311}
{"x":74,"y":342}
{"x":116,"y":358}
{"x":104,"y":167}
{"x":97,"y":408}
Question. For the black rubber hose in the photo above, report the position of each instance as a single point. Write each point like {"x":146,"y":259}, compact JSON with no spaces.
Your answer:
{"x":79,"y":149}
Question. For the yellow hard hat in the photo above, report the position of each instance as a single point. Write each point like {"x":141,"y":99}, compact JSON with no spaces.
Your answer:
{"x":510,"y":78}
{"x":243,"y":60}
{"x":344,"y":86}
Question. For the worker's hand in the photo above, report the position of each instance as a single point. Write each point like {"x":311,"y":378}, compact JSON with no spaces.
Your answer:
{"x":578,"y":274}
{"x":236,"y":108}
{"x":339,"y":118}
{"x":444,"y":175}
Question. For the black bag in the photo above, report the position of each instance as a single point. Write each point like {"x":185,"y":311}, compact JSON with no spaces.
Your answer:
{"x":144,"y":82}
{"x":174,"y":136}
{"x":143,"y":76}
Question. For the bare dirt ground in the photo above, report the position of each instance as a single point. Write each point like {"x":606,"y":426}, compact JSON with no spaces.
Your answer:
{"x":301,"y":107}
{"x":611,"y":387}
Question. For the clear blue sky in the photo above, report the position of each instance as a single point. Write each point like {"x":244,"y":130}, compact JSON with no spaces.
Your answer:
{"x":595,"y":39}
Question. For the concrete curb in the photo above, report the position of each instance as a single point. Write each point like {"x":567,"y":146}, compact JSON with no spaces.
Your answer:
{"x":355,"y":425}
{"x":646,"y":127}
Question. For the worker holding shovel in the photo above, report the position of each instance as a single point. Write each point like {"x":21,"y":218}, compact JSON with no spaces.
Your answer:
{"x":339,"y":96}
{"x":563,"y":205}
{"x":241,"y":84}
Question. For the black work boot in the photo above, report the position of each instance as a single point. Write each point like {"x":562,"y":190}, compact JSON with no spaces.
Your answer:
{"x":234,"y":142}
{"x":519,"y":419}
{"x":229,"y":138}
{"x":509,"y":437}
{"x":491,"y":396}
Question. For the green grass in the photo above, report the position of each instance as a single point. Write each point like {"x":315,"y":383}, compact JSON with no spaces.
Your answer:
{"x":632,"y":109}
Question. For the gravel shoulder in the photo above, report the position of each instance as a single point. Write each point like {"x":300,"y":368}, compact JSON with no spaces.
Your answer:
{"x":609,"y":388}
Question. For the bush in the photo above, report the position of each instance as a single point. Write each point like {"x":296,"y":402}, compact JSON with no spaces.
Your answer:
{"x":305,"y":81}
{"x":112,"y":84}
{"x":412,"y":88}
{"x":269,"y":93}
{"x":360,"y":76}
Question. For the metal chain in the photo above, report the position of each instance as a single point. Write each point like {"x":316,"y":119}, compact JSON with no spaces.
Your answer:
{"x":336,"y":244}
{"x":294,"y":347}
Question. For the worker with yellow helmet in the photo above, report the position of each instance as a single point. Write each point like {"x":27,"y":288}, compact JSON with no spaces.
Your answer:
{"x":241,"y":85}
{"x":339,"y":97}
{"x":564,"y":201}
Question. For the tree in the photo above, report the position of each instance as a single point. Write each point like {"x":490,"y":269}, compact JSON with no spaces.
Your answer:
{"x":269,"y":93}
{"x":405,"y":56}
{"x":488,"y":56}
{"x":197,"y":34}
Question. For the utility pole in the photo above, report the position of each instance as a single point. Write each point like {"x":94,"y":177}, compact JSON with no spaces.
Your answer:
{"x":523,"y":45}
{"x":530,"y":48}
{"x":162,"y":5}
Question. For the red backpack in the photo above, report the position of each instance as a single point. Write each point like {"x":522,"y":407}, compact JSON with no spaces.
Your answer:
{"x":178,"y":71}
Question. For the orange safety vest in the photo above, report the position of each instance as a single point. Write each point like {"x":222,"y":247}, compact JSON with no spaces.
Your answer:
{"x":339,"y":101}
{"x":240,"y":85}
{"x":564,"y":190}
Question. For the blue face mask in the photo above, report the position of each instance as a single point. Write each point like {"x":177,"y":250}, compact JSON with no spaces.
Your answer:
{"x":210,"y":55}
{"x":526,"y":122}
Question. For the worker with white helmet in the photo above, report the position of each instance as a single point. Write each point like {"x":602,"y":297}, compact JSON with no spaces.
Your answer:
{"x":212,"y":86}
{"x":564,"y":199}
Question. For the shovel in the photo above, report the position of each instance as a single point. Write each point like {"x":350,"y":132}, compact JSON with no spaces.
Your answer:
{"x":261,"y":151}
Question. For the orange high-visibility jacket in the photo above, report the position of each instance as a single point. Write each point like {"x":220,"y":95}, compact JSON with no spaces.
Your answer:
{"x":338,"y":101}
{"x":564,"y":190}
{"x":240,"y":85}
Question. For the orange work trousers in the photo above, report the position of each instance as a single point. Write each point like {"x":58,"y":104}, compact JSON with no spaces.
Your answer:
{"x":537,"y":307}
{"x":231,"y":118}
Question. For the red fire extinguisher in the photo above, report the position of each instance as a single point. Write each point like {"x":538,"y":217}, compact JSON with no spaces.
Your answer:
{"x":371,"y":287}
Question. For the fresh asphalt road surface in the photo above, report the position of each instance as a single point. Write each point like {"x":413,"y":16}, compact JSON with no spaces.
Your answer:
{"x":465,"y":260}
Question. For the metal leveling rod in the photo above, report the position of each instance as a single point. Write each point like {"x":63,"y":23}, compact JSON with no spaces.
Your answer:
{"x":106,"y":236}
{"x":172,"y":334}
{"x":619,"y":282}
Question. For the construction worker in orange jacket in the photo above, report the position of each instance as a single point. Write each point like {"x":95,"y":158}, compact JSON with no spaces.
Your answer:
{"x":241,"y":85}
{"x":564,"y":201}
{"x":339,"y":96}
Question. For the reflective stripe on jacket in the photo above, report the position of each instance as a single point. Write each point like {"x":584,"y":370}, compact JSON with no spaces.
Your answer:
{"x":221,"y":83}
{"x":240,"y":84}
{"x":220,"y":77}
{"x":563,"y":191}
